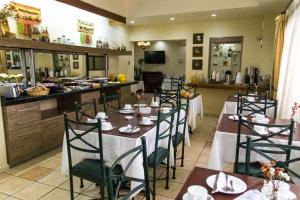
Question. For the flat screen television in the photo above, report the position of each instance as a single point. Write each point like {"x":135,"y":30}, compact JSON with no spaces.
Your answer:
{"x":154,"y":57}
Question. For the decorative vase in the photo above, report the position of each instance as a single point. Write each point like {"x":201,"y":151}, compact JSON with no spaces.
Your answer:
{"x":4,"y":28}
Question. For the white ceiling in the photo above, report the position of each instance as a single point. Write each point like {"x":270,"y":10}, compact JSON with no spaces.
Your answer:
{"x":160,"y":11}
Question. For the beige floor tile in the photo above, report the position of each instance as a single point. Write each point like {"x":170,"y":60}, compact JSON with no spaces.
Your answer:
{"x":35,"y":173}
{"x":83,"y":197}
{"x":5,"y":177}
{"x":33,"y":191}
{"x":206,"y":151}
{"x":181,"y":175}
{"x":58,"y":194}
{"x":52,"y":163}
{"x":76,"y":185}
{"x":11,"y":186}
{"x":92,"y":191}
{"x":19,"y":169}
{"x":203,"y":159}
{"x":12,"y":198}
{"x":201,"y":165}
{"x":3,"y":196}
{"x":158,"y":197}
{"x":208,"y":144}
{"x":54,"y":179}
{"x":173,"y":190}
{"x":188,"y":165}
{"x":54,"y":152}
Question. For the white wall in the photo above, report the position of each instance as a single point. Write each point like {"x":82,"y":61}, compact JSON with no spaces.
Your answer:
{"x":174,"y":50}
{"x":249,"y":28}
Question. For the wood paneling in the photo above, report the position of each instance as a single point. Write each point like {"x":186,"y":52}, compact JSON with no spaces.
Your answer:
{"x":93,"y":9}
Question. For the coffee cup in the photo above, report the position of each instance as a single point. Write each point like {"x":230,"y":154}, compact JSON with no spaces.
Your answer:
{"x":146,"y":120}
{"x":127,"y":106}
{"x":106,"y":126}
{"x":154,"y":104}
{"x":101,"y":115}
{"x":197,"y":192}
{"x":251,"y":98}
{"x":259,"y":129}
{"x":259,"y":117}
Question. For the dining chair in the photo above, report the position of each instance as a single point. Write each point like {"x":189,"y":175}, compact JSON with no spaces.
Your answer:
{"x":260,"y":149}
{"x":177,"y":83}
{"x":82,"y":109}
{"x":259,"y":105}
{"x":179,"y":136}
{"x":107,"y":99}
{"x":92,"y":170}
{"x":161,"y":153}
{"x":114,"y":182}
{"x":247,"y":127}
{"x":169,"y":98}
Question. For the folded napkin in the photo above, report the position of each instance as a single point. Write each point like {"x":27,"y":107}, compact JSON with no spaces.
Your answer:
{"x":252,"y":195}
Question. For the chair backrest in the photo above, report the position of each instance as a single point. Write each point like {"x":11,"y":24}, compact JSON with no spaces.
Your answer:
{"x":169,"y":98}
{"x":177,"y":83}
{"x":112,"y":180}
{"x":78,"y":141}
{"x":182,"y":120}
{"x":259,"y":148}
{"x":80,"y":109}
{"x":111,"y":97}
{"x":253,"y":104}
{"x":248,"y":126}
{"x":164,"y":132}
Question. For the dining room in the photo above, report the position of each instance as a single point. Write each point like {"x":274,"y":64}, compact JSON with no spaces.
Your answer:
{"x":160,"y":100}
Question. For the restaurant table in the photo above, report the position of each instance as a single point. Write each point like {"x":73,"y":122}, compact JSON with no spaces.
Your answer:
{"x":116,"y":143}
{"x":199,"y":175}
{"x":230,"y":107}
{"x":224,"y":143}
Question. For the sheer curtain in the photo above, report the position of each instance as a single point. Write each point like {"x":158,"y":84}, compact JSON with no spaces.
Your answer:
{"x":289,"y":78}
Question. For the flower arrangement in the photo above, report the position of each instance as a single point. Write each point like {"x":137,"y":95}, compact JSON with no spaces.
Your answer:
{"x":295,"y":108}
{"x":275,"y":175}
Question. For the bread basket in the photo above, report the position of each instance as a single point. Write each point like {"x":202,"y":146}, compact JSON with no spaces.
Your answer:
{"x":38,"y":91}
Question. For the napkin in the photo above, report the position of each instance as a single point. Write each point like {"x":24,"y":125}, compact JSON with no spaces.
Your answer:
{"x":252,"y":195}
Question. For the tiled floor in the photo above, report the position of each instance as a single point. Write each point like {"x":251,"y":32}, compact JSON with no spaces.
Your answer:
{"x":40,"y":178}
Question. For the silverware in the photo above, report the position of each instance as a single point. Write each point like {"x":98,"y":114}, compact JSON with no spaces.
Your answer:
{"x":215,"y":184}
{"x":231,"y":183}
{"x":226,"y":188}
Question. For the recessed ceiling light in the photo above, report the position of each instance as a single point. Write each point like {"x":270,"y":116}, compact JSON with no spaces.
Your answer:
{"x":172,"y":18}
{"x":132,"y":22}
{"x":213,"y":15}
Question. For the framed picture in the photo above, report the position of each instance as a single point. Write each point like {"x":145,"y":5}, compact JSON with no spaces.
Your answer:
{"x":75,"y":56}
{"x":75,"y":65}
{"x":197,"y":51}
{"x":198,"y":38}
{"x":197,"y":64}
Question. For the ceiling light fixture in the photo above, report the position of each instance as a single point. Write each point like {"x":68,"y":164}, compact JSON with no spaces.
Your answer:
{"x":172,"y":18}
{"x":213,"y":15}
{"x":143,"y":44}
{"x":132,"y":22}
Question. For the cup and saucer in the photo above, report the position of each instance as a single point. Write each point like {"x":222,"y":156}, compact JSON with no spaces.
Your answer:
{"x":155,"y":104}
{"x":106,"y":126}
{"x":101,"y":115}
{"x":128,"y":107}
{"x":197,"y":192}
{"x":260,"y":118}
{"x":262,"y":130}
{"x":146,"y":121}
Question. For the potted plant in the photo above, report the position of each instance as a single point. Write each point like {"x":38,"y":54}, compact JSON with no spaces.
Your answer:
{"x":5,"y":12}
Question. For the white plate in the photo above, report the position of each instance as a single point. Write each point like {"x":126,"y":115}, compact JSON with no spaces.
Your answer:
{"x":109,"y":129}
{"x":236,"y":117}
{"x":186,"y":197}
{"x":264,"y":121}
{"x":89,"y":120}
{"x":128,"y":117}
{"x":238,"y":184}
{"x":262,"y":132}
{"x":276,"y":130}
{"x":122,"y":129}
{"x":153,"y":118}
{"x":142,"y":123}
{"x":126,"y":111}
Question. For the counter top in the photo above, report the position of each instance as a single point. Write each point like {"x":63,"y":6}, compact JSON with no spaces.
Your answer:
{"x":25,"y":98}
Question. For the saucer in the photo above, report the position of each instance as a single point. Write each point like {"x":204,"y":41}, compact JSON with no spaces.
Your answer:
{"x":153,"y":118}
{"x":187,"y":197}
{"x":148,"y":124}
{"x":109,"y":129}
{"x":126,"y":111}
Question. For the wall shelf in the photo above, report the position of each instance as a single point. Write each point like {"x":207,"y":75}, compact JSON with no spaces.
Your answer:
{"x":45,"y":46}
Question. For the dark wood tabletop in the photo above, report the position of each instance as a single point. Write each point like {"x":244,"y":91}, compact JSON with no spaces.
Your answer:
{"x":230,"y":126}
{"x":199,"y":175}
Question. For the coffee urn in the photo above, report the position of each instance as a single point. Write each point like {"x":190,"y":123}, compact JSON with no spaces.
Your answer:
{"x":251,"y":75}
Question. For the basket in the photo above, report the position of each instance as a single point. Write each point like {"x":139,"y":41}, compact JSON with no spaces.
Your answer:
{"x":33,"y":92}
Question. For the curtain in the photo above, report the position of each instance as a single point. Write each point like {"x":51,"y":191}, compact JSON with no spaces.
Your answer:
{"x":3,"y":67}
{"x":278,"y":43}
{"x":289,"y":81}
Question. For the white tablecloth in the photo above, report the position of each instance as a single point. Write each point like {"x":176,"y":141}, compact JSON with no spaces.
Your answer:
{"x":196,"y":108}
{"x":223,"y":151}
{"x":114,"y":146}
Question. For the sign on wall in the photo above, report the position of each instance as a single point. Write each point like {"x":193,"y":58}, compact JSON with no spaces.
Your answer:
{"x":86,"y":30}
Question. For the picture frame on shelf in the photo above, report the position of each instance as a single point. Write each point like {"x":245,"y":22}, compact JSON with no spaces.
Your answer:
{"x":198,"y":51}
{"x":197,"y":64}
{"x":75,"y":65}
{"x":198,"y":38}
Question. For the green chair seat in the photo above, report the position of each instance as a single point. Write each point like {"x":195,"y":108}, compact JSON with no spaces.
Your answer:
{"x":254,"y":169}
{"x":179,"y":139}
{"x":160,"y":156}
{"x":89,"y":169}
